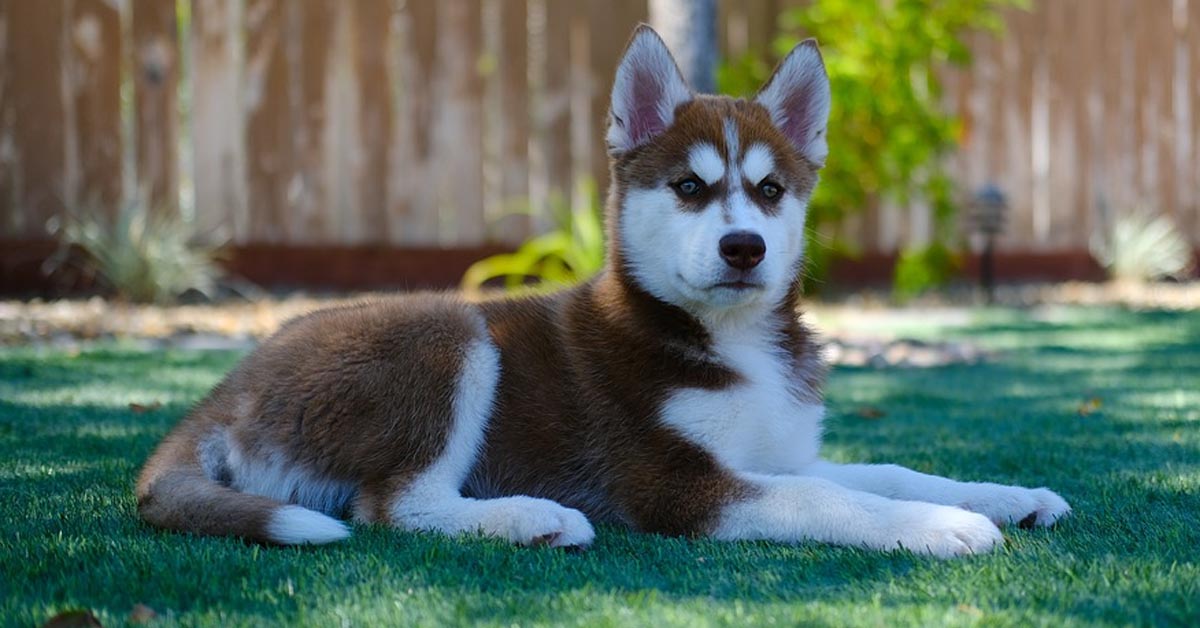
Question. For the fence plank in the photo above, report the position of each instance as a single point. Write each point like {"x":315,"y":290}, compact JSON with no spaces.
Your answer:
{"x":459,"y":126}
{"x":373,"y":27}
{"x":1086,"y":111}
{"x":156,"y":81}
{"x":10,"y":213}
{"x":1160,"y":27}
{"x":218,"y":120}
{"x":335,"y":147}
{"x":749,"y":27}
{"x":1183,"y":117}
{"x":1192,"y":224}
{"x":35,"y":56}
{"x":1153,"y":39}
{"x":1019,"y":133}
{"x":93,"y":84}
{"x":268,"y":120}
{"x":1063,"y":88}
{"x":512,"y":82}
{"x":411,"y":194}
{"x":550,"y":159}
{"x":610,"y":23}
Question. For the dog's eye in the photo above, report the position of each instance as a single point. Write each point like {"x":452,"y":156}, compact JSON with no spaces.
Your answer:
{"x":688,"y":187}
{"x":770,"y":189}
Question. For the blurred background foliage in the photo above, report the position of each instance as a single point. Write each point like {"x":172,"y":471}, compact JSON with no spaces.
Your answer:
{"x":570,"y":251}
{"x":889,"y":131}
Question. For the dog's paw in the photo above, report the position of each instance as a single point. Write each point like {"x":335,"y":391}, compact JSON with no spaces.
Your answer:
{"x":531,"y":521}
{"x":1006,"y":505}
{"x":940,"y":531}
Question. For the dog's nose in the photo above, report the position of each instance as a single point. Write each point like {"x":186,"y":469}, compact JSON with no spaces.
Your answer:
{"x":743,"y":250}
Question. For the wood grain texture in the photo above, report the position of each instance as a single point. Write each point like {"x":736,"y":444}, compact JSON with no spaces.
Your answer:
{"x":155,"y":75}
{"x":414,"y":123}
{"x":218,"y":120}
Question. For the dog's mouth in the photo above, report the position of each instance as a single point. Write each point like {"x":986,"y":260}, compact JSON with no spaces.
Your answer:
{"x":738,"y":286}
{"x":742,"y":286}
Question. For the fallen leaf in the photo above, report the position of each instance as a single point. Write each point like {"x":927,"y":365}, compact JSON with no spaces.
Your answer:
{"x":870,"y":413}
{"x":138,"y":408}
{"x":1090,"y":406}
{"x":73,"y":619}
{"x":970,"y":610}
{"x":141,"y":614}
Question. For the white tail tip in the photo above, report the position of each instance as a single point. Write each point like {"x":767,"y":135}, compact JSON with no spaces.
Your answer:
{"x":296,"y":525}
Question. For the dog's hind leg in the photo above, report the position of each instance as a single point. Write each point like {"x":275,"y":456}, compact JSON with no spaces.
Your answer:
{"x":433,"y":501}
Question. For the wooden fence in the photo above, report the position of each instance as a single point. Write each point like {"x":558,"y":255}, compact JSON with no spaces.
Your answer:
{"x":416,"y":123}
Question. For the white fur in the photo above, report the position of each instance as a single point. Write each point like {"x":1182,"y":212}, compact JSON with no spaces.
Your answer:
{"x":675,"y":255}
{"x":758,"y":163}
{"x":791,"y":509}
{"x":647,"y":64}
{"x":271,"y":474}
{"x":761,"y":425}
{"x":706,"y":162}
{"x":1002,"y":504}
{"x":798,"y":98}
{"x":296,"y":525}
{"x":732,"y":142}
{"x":434,"y":501}
{"x":764,"y":431}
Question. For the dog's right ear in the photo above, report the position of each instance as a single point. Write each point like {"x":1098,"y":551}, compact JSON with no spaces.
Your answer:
{"x":646,"y":91}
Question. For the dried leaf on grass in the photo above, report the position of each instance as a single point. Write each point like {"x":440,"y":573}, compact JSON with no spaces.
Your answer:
{"x":870,"y":413}
{"x":140,"y":408}
{"x":73,"y":619}
{"x":1090,"y":406}
{"x":141,"y":614}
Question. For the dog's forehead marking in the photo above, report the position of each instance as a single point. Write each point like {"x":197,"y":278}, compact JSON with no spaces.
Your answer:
{"x":706,"y":162}
{"x":758,"y":163}
{"x":732,"y":143}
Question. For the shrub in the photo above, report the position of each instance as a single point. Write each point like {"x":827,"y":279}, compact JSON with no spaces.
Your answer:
{"x":140,"y":255}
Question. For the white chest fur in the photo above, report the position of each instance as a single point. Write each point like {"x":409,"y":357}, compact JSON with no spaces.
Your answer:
{"x":758,"y":425}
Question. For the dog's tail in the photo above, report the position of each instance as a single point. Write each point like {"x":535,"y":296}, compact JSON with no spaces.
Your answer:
{"x":175,"y":493}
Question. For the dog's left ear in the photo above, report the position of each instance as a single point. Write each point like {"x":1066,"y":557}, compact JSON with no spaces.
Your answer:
{"x":797,"y":95}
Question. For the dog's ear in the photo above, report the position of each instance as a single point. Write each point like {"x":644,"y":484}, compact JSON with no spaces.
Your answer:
{"x":647,"y":89}
{"x":797,"y":95}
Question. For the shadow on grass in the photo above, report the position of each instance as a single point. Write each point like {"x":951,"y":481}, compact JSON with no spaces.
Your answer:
{"x":74,"y":539}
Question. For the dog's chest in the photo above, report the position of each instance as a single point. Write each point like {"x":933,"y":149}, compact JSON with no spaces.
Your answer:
{"x":759,"y":424}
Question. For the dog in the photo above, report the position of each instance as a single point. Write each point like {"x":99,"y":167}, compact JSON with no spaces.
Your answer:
{"x":678,"y":392}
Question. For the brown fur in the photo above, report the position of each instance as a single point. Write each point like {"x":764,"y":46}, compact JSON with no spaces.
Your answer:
{"x":357,"y":394}
{"x":362,"y":395}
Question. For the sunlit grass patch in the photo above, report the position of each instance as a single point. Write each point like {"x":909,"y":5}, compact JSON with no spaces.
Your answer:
{"x":1100,"y":405}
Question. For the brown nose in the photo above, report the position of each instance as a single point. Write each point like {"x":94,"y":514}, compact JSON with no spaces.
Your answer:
{"x":743,"y":250}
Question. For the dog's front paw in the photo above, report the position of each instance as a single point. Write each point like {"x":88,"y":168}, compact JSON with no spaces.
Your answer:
{"x":941,"y":531}
{"x":1025,"y":507}
{"x":530,"y":521}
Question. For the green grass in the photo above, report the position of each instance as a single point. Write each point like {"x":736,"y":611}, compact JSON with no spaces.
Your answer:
{"x":70,"y":446}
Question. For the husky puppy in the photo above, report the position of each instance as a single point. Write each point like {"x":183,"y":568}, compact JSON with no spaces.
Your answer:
{"x":675,"y":393}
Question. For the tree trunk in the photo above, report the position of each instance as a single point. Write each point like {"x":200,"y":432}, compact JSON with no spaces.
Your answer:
{"x":690,"y":29}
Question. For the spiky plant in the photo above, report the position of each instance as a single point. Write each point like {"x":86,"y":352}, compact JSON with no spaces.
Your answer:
{"x":141,"y":255}
{"x":1142,"y":246}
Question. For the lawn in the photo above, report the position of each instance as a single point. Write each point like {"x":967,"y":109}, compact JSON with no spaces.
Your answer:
{"x":1101,"y":405}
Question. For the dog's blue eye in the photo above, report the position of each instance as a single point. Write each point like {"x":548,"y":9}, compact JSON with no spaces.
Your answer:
{"x":769,"y":189}
{"x":688,"y":187}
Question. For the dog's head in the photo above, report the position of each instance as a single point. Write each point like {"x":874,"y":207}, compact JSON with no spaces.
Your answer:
{"x":710,"y":193}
